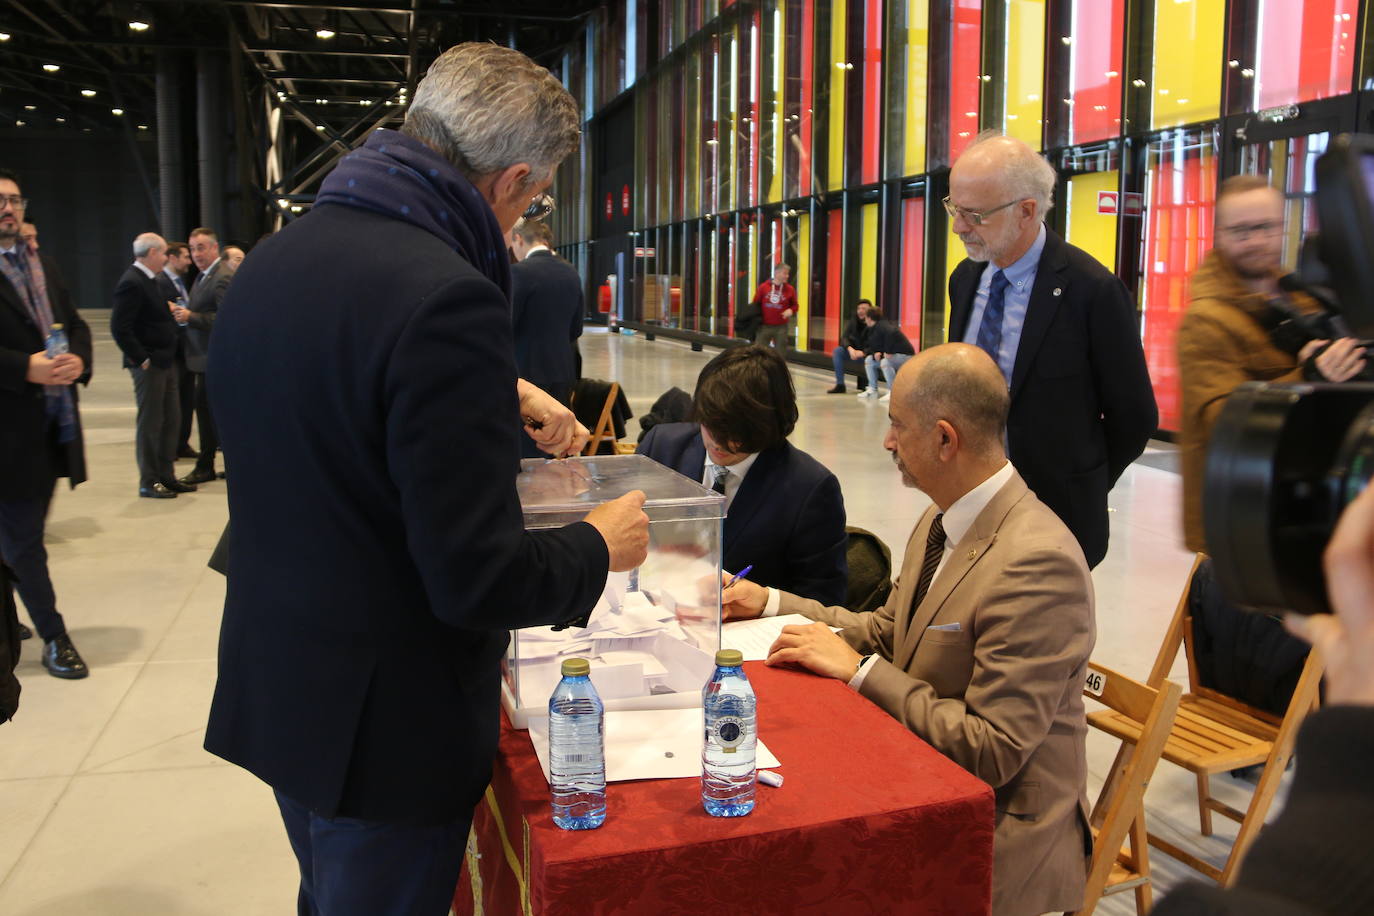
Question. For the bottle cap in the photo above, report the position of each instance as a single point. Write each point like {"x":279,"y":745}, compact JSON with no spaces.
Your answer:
{"x":576,"y":667}
{"x":729,"y":658}
{"x":58,"y":326}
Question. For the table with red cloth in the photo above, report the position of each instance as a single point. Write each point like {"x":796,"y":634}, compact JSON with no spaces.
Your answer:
{"x":870,"y":819}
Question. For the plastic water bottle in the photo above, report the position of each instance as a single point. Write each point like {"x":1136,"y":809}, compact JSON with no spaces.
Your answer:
{"x":56,"y":344}
{"x":577,"y":749}
{"x":727,"y":756}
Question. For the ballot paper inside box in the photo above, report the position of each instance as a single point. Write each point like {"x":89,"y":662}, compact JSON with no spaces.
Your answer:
{"x":653,"y":634}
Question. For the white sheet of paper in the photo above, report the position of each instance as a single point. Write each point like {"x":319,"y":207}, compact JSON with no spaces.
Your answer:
{"x":753,"y":637}
{"x":648,"y":744}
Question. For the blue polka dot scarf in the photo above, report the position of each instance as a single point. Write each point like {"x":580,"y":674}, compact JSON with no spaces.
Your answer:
{"x":400,"y":177}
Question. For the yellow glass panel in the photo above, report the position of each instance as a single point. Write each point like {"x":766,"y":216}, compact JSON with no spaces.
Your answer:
{"x":779,"y":58}
{"x":835,"y":171}
{"x":1025,"y":70}
{"x":803,"y":275}
{"x":1094,"y":232}
{"x":751,"y":259}
{"x":954,"y":253}
{"x":917,"y":51}
{"x":868,"y":254}
{"x":1188,"y":45}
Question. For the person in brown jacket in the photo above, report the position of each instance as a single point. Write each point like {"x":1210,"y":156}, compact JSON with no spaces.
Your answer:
{"x":1223,"y":341}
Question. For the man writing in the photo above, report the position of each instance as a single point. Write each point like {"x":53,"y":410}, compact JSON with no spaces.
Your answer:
{"x":777,"y":301}
{"x":982,"y":647}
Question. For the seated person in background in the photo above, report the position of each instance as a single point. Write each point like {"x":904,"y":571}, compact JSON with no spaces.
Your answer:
{"x":982,"y":647}
{"x":851,"y":347}
{"x":886,"y":348}
{"x":784,"y":512}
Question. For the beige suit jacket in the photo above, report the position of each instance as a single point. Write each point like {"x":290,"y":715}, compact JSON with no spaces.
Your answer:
{"x":1002,"y":695}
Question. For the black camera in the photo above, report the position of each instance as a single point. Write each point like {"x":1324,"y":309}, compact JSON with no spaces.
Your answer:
{"x":1283,"y":461}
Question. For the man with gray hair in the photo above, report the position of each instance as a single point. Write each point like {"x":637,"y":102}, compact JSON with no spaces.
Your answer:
{"x":982,"y":647}
{"x":146,"y":332}
{"x":1060,"y":326}
{"x":377,"y":555}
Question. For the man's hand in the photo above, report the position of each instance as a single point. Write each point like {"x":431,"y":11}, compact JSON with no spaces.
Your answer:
{"x":1346,"y":640}
{"x":786,"y":314}
{"x":44,"y":371}
{"x":180,"y":314}
{"x":67,"y":368}
{"x":624,"y":527}
{"x":742,"y":601}
{"x":551,"y":425}
{"x":816,"y":648}
{"x":1339,"y":362}
{"x":856,"y":353}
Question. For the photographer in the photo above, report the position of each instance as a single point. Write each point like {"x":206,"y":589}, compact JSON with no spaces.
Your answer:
{"x":1239,"y":328}
{"x":1313,"y":858}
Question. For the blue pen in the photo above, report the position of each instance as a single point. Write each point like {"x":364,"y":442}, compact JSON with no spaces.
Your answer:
{"x":740,"y":575}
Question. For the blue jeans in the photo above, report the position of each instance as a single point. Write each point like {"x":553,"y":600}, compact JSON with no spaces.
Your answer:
{"x":889,"y":364}
{"x":840,"y":355}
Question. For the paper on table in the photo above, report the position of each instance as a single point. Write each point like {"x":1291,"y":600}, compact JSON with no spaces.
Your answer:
{"x":753,"y":637}
{"x":648,"y":744}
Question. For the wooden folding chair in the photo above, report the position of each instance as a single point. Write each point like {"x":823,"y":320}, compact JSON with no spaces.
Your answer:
{"x":605,"y":424}
{"x":1216,"y":733}
{"x":1120,"y":808}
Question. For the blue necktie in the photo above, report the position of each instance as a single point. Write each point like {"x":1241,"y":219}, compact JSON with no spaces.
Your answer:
{"x":990,"y":330}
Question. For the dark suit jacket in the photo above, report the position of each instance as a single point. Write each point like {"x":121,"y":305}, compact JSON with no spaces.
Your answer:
{"x":546,"y":314}
{"x":886,"y":337}
{"x":204,"y":308}
{"x":30,"y":456}
{"x":141,"y":322}
{"x":787,"y":519}
{"x":368,"y":596}
{"x":1082,"y":407}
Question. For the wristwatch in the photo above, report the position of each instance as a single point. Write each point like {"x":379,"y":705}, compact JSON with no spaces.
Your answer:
{"x":863,"y":660}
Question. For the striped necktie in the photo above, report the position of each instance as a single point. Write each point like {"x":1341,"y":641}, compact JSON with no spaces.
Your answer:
{"x":935,"y":549}
{"x":990,"y":328}
{"x":721,"y":473}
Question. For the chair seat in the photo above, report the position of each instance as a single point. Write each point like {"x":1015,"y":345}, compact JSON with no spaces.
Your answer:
{"x":1207,"y":736}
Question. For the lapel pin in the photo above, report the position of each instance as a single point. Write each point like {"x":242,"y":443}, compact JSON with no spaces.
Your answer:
{"x":1057,"y":291}
{"x":972,"y":553}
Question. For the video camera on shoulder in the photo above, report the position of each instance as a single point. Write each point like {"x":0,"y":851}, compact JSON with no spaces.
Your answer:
{"x":1284,"y":461}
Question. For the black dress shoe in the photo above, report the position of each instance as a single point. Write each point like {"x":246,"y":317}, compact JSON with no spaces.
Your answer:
{"x":62,"y":660}
{"x":179,"y":486}
{"x":187,"y":452}
{"x":199,"y":475}
{"x":25,"y":632}
{"x":838,"y":389}
{"x":156,"y":491}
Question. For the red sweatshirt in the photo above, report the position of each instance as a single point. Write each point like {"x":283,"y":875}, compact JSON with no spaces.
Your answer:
{"x":774,"y":299}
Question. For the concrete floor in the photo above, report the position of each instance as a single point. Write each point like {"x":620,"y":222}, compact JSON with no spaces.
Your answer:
{"x":109,"y":805}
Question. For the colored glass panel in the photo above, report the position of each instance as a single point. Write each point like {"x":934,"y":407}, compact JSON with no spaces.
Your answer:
{"x":917,"y":55}
{"x":1187,"y":76}
{"x":1095,"y":69}
{"x":1025,"y":73}
{"x":954,"y":253}
{"x":802,"y":273}
{"x":913,"y":263}
{"x":1090,"y":230}
{"x":774,"y":62}
{"x":965,"y":78}
{"x":838,"y":74}
{"x":1306,"y":50}
{"x":834,"y":272}
{"x":873,"y":90}
{"x":868,"y":254}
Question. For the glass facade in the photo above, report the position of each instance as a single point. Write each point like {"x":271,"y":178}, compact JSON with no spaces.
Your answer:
{"x":820,"y":132}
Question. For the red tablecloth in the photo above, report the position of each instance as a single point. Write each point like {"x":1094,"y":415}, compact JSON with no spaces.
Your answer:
{"x":871,"y":819}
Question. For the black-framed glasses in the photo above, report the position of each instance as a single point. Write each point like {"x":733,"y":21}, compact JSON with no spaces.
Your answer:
{"x":1243,"y":231}
{"x":976,"y":217}
{"x":14,"y":200}
{"x":540,"y":207}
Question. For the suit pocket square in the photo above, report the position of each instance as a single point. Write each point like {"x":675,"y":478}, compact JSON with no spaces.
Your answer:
{"x":946,"y":627}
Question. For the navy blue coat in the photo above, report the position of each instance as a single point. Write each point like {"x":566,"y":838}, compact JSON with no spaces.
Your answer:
{"x":787,"y":519}
{"x":361,"y":375}
{"x":546,"y":312}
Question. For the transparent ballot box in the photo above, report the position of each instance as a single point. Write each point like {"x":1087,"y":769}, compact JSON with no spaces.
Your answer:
{"x":654,"y":632}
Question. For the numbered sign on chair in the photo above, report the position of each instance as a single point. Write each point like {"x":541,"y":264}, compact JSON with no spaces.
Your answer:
{"x":1094,"y":683}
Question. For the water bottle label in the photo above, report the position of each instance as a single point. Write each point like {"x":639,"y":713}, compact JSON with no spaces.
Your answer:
{"x":730,"y":732}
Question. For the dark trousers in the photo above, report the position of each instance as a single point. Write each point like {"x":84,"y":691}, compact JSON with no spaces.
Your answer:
{"x":840,"y":357}
{"x":777,"y":334}
{"x":186,"y":390}
{"x":209,"y":436}
{"x":21,"y":547}
{"x":352,"y":867}
{"x":159,"y":421}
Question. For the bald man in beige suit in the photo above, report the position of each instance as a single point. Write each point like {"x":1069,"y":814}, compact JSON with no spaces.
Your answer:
{"x":983,"y":645}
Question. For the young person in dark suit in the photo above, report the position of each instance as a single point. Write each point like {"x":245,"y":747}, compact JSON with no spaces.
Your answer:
{"x":546,"y":314}
{"x":143,"y":327}
{"x":172,"y":281}
{"x":198,"y":318}
{"x":370,"y":596}
{"x":1060,"y":326}
{"x":40,"y":422}
{"x":784,"y":512}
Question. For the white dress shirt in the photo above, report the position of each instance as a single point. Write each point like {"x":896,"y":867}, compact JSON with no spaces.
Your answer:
{"x":732,"y":481}
{"x":146,"y":272}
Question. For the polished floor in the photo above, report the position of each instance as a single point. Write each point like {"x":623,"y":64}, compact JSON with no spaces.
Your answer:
{"x":108,"y":803}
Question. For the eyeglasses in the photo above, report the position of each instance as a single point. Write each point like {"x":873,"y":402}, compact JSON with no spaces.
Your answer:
{"x":975,"y":217}
{"x":539,"y":208}
{"x":14,"y":201}
{"x":1243,"y":231}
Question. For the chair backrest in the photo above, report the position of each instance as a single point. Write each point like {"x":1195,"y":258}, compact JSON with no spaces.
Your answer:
{"x":603,"y":424}
{"x":870,"y":570}
{"x":1123,"y":795}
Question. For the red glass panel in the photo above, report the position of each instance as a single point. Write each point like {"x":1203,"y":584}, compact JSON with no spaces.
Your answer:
{"x":1306,"y":50}
{"x":805,"y":120}
{"x":1097,"y":33}
{"x":966,"y":55}
{"x":873,"y":86}
{"x":913,"y":257}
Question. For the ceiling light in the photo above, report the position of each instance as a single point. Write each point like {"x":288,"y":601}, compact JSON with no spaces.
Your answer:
{"x":30,"y":107}
{"x":61,"y":120}
{"x":324,"y":34}
{"x":4,"y":36}
{"x":320,"y":128}
{"x":116,"y":111}
{"x":297,"y":208}
{"x":88,"y":93}
{"x":51,"y":68}
{"x":138,"y":25}
{"x":18,"y":123}
{"x":143,"y":127}
{"x":283,"y":202}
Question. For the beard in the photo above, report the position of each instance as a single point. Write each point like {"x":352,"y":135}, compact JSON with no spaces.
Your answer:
{"x":908,"y":479}
{"x":9,"y":232}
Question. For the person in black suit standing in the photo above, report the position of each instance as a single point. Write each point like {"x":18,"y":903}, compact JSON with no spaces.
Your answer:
{"x":40,"y":421}
{"x":198,"y":318}
{"x":784,"y":511}
{"x":1061,"y":327}
{"x":172,"y":281}
{"x":369,"y":597}
{"x":546,"y":314}
{"x":143,"y":327}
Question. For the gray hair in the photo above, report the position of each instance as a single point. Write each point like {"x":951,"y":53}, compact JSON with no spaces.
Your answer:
{"x":485,"y":108}
{"x":146,"y":242}
{"x":960,"y":384}
{"x":1026,"y":174}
